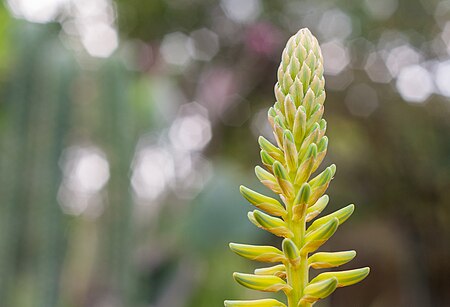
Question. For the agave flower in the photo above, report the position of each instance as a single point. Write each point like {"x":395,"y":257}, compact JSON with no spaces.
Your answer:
{"x":301,"y":145}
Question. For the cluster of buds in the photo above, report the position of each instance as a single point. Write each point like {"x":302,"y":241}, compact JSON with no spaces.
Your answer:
{"x":301,"y":145}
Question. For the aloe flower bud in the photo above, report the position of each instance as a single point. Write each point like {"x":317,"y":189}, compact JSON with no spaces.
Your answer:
{"x":301,"y":146}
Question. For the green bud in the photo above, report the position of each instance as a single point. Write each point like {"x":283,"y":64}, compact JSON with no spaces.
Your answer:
{"x":324,"y":177}
{"x":258,"y":252}
{"x":311,"y":60}
{"x":306,"y":165}
{"x":312,"y":136}
{"x":271,"y":149}
{"x":264,"y":283}
{"x":283,"y":179}
{"x":272,"y":224}
{"x":287,"y":82}
{"x":331,"y":259}
{"x":255,"y":303}
{"x":301,"y":202}
{"x":321,"y":98}
{"x":278,"y":93}
{"x":290,"y":151}
{"x":317,"y":238}
{"x":268,"y":204}
{"x":279,"y":131}
{"x":322,"y":151}
{"x":303,"y":194}
{"x":296,"y":92}
{"x":316,"y":115}
{"x":317,"y":208}
{"x":318,"y":290}
{"x":276,"y":270}
{"x":299,"y":127}
{"x":290,"y":110}
{"x":294,"y":67}
{"x":323,"y":144}
{"x":291,"y":252}
{"x":323,"y":128}
{"x":305,"y":75}
{"x":345,"y":278}
{"x":267,"y":159}
{"x":267,"y":179}
{"x":342,"y":215}
{"x":320,"y":183}
{"x":316,"y":85}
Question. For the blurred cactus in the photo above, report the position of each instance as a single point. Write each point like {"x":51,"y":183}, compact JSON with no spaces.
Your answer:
{"x":299,"y":130}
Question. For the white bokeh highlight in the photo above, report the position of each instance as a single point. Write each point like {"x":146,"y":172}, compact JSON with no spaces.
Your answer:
{"x":442,"y":78}
{"x":336,"y":57}
{"x":414,"y":83}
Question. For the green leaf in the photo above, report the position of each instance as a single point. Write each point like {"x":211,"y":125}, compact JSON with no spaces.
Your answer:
{"x":255,"y":303}
{"x":268,"y":204}
{"x":325,"y":260}
{"x":266,"y":283}
{"x":258,"y":252}
{"x":345,"y":278}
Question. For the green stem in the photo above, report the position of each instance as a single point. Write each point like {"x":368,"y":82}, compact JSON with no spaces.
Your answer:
{"x":297,"y":276}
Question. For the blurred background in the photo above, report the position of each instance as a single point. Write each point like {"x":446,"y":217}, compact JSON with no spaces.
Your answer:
{"x":127,"y":126}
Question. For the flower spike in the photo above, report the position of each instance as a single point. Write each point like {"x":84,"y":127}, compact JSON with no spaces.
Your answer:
{"x":289,"y":171}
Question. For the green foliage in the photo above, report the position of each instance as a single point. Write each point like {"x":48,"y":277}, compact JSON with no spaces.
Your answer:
{"x":299,"y":130}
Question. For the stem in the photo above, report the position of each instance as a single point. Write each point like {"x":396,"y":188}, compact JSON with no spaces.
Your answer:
{"x":297,"y":276}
